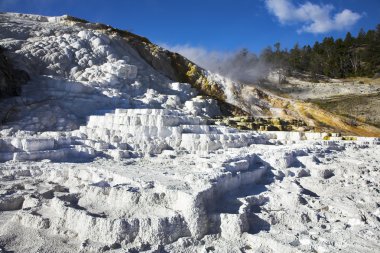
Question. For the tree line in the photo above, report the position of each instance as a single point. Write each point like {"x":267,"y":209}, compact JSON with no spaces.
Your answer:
{"x":353,"y":56}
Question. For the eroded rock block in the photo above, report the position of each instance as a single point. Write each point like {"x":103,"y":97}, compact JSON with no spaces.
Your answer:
{"x":11,"y":203}
{"x":31,"y":219}
{"x":37,"y":144}
{"x":233,"y":225}
{"x":326,"y":173}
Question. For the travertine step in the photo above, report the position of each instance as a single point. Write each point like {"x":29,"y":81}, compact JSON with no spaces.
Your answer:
{"x":32,"y":149}
{"x":153,"y":130}
{"x":126,"y":132}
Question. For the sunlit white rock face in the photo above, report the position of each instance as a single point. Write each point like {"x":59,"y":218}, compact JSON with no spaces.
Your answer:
{"x":108,"y":155}
{"x":79,"y":71}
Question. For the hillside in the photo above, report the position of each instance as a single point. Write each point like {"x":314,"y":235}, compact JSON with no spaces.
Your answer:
{"x":55,"y":60}
{"x":354,"y":102}
{"x":231,"y":98}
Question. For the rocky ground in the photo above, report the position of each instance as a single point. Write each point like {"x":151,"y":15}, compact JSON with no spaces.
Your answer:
{"x":319,"y":196}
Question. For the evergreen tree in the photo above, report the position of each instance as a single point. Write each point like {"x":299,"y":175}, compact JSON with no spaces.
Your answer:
{"x":340,"y":58}
{"x":353,"y":56}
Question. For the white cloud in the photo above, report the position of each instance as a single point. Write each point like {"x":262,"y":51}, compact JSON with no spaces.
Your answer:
{"x":315,"y":18}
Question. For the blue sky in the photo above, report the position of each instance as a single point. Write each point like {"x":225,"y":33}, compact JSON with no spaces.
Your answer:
{"x":218,"y":25}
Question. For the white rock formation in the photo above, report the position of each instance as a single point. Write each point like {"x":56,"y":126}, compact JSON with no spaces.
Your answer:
{"x":131,"y":164}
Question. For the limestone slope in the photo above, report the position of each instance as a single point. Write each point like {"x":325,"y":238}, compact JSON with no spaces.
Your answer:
{"x":60,"y":53}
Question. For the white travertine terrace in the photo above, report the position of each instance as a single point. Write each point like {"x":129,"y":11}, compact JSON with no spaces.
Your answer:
{"x":127,"y":131}
{"x":153,"y":130}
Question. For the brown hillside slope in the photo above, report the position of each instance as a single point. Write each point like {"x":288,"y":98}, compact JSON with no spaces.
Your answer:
{"x":326,"y":120}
